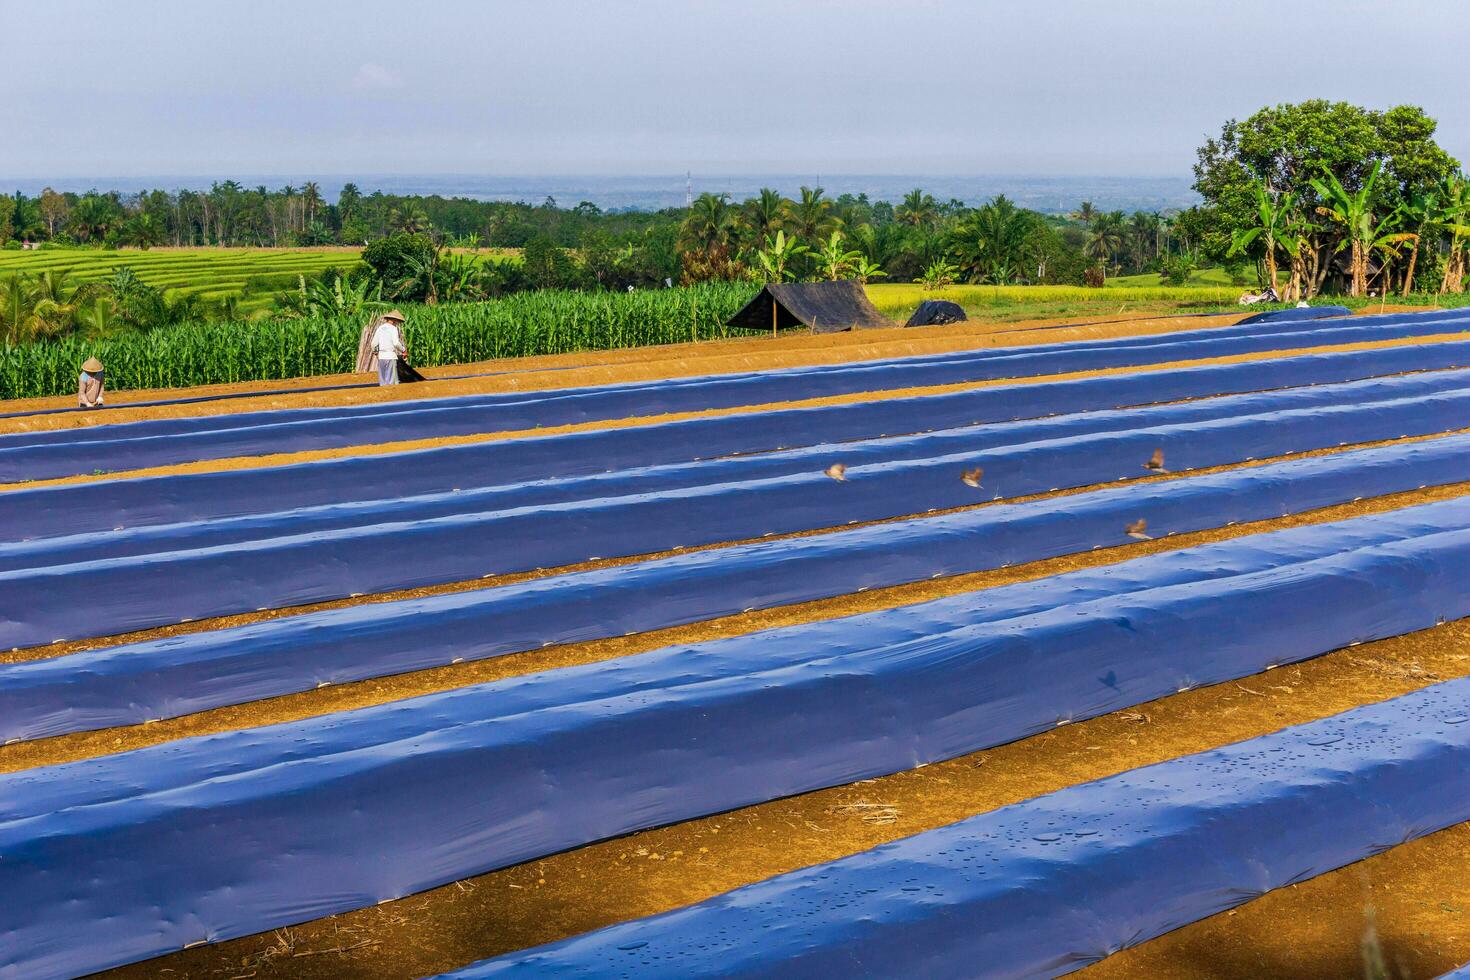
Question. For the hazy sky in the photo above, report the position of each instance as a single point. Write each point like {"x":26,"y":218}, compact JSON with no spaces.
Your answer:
{"x":163,"y":87}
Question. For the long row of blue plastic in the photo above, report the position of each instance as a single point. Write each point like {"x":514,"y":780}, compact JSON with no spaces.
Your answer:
{"x":231,"y":834}
{"x":140,"y":682}
{"x":99,"y":507}
{"x":31,"y":456}
{"x":136,"y":579}
{"x":1051,"y":885}
{"x":1007,"y":475}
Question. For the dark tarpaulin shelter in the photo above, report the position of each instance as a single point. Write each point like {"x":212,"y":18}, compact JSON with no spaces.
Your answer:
{"x":933,"y":312}
{"x":826,"y":307}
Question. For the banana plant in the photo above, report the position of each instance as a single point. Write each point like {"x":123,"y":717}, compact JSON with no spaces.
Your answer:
{"x":776,"y":258}
{"x":1364,"y":232}
{"x":834,"y":260}
{"x":864,"y":269}
{"x":1272,"y":218}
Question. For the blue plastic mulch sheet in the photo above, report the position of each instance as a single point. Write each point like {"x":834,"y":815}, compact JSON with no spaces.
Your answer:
{"x":134,"y":445}
{"x":221,"y":836}
{"x":271,"y":562}
{"x":1296,"y":314}
{"x":104,"y":505}
{"x":135,"y":683}
{"x":1045,"y":887}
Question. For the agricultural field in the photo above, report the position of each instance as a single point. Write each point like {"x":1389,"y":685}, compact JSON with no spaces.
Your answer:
{"x":252,"y":276}
{"x":1133,"y":647}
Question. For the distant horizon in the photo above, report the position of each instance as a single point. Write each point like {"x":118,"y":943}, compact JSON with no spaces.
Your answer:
{"x":1051,"y":193}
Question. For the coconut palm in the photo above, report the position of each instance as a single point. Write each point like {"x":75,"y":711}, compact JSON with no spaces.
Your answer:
{"x":707,"y":226}
{"x":810,"y":216}
{"x":1107,"y":238}
{"x":991,"y":241}
{"x":762,"y":215}
{"x":918,"y":209}
{"x":1086,"y":214}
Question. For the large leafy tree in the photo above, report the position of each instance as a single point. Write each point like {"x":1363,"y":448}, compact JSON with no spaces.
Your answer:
{"x":1289,"y":149}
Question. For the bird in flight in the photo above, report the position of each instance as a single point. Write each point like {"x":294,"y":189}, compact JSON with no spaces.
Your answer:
{"x":971,"y":478}
{"x":1156,"y":462}
{"x":837,"y":472}
{"x":1139,"y":529}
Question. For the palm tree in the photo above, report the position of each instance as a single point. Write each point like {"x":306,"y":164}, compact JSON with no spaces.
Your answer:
{"x":412,"y":219}
{"x":1086,"y":214}
{"x":1107,"y":238}
{"x":991,"y":241}
{"x":918,"y":209}
{"x":811,"y":216}
{"x":707,"y":226}
{"x":347,"y":201}
{"x":311,"y":196}
{"x":762,"y":215}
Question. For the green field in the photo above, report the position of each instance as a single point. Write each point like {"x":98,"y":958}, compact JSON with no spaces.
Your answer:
{"x":253,"y":276}
{"x":1005,"y":303}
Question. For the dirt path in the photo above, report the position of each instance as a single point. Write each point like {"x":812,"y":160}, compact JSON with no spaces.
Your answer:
{"x":284,"y":459}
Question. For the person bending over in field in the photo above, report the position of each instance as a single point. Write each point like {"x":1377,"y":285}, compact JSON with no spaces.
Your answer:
{"x":388,"y":347}
{"x":89,"y":384}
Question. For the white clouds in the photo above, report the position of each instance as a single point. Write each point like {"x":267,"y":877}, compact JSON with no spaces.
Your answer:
{"x":373,"y":77}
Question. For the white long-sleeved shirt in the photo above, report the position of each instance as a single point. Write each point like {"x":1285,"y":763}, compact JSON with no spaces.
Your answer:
{"x":387,"y":341}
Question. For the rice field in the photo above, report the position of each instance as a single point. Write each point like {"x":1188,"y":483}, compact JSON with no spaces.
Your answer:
{"x":250,"y":275}
{"x":1146,"y":656}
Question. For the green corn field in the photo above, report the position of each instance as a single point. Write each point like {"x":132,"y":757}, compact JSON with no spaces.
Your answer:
{"x":524,"y":324}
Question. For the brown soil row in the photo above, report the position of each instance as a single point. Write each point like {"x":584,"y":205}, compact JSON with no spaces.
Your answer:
{"x":646,"y":873}
{"x":283,"y":459}
{"x":756,"y":352}
{"x":1407,"y":909}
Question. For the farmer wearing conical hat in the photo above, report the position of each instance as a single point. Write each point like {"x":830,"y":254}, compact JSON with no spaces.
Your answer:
{"x":386,"y":347}
{"x":89,"y":384}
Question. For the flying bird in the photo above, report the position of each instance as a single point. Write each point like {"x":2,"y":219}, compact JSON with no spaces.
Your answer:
{"x":837,"y":472}
{"x":971,"y":478}
{"x":1156,"y":462}
{"x":1139,"y":529}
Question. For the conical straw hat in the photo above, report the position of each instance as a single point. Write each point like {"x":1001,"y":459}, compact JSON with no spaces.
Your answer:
{"x":91,"y":365}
